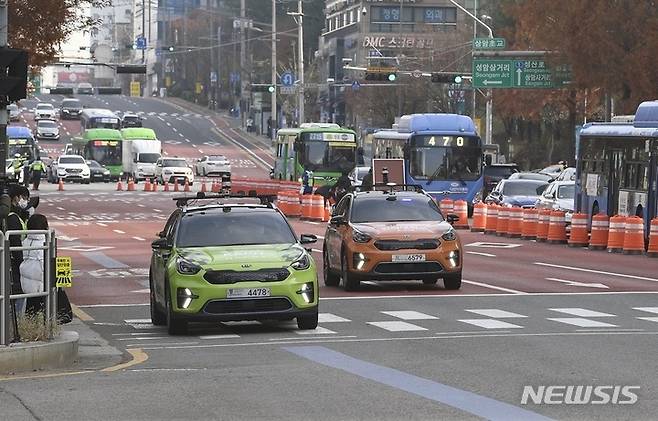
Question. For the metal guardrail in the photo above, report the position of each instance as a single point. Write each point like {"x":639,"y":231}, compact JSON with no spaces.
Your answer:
{"x":7,"y":300}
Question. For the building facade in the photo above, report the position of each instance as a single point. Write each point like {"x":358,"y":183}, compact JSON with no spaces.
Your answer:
{"x":426,"y":35}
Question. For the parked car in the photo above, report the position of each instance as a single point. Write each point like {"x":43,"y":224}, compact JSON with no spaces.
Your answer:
{"x":131,"y":120}
{"x":494,"y":173}
{"x":559,"y":195}
{"x":98,"y":172}
{"x":569,"y":174}
{"x":357,"y":174}
{"x":531,"y":176}
{"x":47,"y":129}
{"x":44,"y":110}
{"x":553,"y":170}
{"x":85,"y":88}
{"x":523,"y":193}
{"x":387,"y":235}
{"x":70,"y":168}
{"x":217,"y":165}
{"x":70,"y":109}
{"x":173,"y":169}
{"x":13,"y":112}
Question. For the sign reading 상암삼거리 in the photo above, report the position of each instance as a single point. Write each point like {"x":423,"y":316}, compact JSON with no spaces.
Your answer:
{"x":63,"y":272}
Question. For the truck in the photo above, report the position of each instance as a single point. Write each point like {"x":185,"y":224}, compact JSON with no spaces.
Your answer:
{"x":141,"y":150}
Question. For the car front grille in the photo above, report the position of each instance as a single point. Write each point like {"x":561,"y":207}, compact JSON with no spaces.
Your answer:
{"x":387,"y":245}
{"x":408,"y":267}
{"x":73,"y":170}
{"x":219,"y":277}
{"x":250,"y":305}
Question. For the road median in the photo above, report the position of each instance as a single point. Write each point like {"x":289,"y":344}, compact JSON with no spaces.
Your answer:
{"x":29,"y":356}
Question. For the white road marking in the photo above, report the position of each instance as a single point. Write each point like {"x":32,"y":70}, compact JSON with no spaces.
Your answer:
{"x":317,"y":331}
{"x":649,"y":319}
{"x":581,"y":312}
{"x":143,"y":338}
{"x":101,"y":224}
{"x":331,"y":318}
{"x":580,"y":322}
{"x":134,"y":334}
{"x":481,"y":254}
{"x":220,"y":336}
{"x":316,"y":250}
{"x":138,"y":239}
{"x":647,"y":309}
{"x":119,"y":231}
{"x":490,"y":324}
{"x":481,"y":284}
{"x":410,"y":315}
{"x":397,"y":326}
{"x":578,"y":284}
{"x":486,"y":244}
{"x":130,"y":321}
{"x":621,"y":275}
{"x":58,"y":208}
{"x":495,"y":313}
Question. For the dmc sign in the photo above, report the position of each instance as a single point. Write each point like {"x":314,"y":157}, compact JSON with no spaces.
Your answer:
{"x":398,"y":42}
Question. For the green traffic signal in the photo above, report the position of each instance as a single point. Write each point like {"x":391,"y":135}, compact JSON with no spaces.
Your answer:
{"x":271,"y":89}
{"x":392,"y":77}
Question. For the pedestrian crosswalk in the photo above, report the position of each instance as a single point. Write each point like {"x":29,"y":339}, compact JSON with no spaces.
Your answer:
{"x":410,"y":321}
{"x":163,"y":114}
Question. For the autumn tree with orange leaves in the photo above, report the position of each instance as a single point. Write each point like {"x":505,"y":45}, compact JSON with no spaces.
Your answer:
{"x":41,"y":26}
{"x":610,"y":46}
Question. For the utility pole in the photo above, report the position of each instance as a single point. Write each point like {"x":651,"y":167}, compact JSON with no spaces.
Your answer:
{"x":143,"y":28}
{"x":243,"y":57}
{"x":300,"y":44}
{"x":218,"y":86}
{"x":273,"y":116}
{"x":4,"y":27}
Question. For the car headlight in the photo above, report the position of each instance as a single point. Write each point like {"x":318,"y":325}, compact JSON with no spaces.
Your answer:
{"x":449,"y":235}
{"x":186,"y":267}
{"x":303,"y":263}
{"x":106,"y":172}
{"x":184,"y":297}
{"x":360,"y":237}
{"x":453,"y":257}
{"x":307,"y":292}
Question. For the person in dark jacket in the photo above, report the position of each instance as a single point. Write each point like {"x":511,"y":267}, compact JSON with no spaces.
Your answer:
{"x":366,"y":183}
{"x":17,"y":221}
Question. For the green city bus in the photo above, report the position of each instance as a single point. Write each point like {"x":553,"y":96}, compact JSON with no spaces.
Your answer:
{"x":102,"y":146}
{"x":326,"y":149}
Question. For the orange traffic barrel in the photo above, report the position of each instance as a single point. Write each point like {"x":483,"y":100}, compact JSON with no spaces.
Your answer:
{"x":599,"y":237}
{"x":543,"y":222}
{"x":616,"y":234}
{"x":579,"y":236}
{"x":460,"y":208}
{"x":281,"y":202}
{"x":306,"y":206}
{"x":515,"y":227}
{"x":492,"y":219}
{"x":131,"y":185}
{"x":529,"y":221}
{"x":295,"y":205}
{"x":634,"y":235}
{"x":446,"y":205}
{"x":317,"y":207}
{"x":479,"y":217}
{"x":557,"y":228}
{"x":653,"y":238}
{"x":503,"y":221}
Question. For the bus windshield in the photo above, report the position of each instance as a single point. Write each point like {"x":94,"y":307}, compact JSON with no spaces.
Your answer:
{"x":445,"y":158}
{"x":329,"y":156}
{"x":106,"y":155}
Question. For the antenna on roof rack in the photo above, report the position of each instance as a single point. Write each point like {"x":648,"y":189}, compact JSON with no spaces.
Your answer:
{"x":185,"y":200}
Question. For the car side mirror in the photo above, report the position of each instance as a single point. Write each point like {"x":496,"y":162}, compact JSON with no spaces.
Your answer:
{"x":160,"y":244}
{"x":308,"y":239}
{"x":452,"y":218}
{"x":337,"y":220}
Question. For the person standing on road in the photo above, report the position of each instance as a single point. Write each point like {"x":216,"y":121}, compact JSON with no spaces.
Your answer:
{"x":17,"y":221}
{"x":366,"y":183}
{"x":36,"y":168}
{"x":31,"y":268}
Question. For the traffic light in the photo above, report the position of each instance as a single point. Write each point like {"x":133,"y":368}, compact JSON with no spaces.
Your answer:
{"x":169,"y":48}
{"x":262,"y":87}
{"x":13,"y":73}
{"x":382,"y":74}
{"x":447,"y":78}
{"x":132,"y":68}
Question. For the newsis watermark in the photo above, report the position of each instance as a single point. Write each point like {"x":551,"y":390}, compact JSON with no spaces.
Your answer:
{"x":580,"y":395}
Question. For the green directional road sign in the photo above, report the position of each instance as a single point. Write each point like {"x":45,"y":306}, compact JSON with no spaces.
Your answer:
{"x":518,"y":73}
{"x":489,"y":44}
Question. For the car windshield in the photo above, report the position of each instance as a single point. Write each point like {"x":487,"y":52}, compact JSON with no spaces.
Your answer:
{"x":71,"y":103}
{"x":404,"y":208}
{"x":44,"y":107}
{"x":71,"y":160}
{"x":149,"y":158}
{"x":568,"y":191}
{"x":217,"y":158}
{"x":43,"y":123}
{"x":93,"y":164}
{"x":523,"y":188}
{"x":174,"y":163}
{"x":237,"y":227}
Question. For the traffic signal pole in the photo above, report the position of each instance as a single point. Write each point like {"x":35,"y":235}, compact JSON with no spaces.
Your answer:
{"x":4,"y":26}
{"x":273,"y":116}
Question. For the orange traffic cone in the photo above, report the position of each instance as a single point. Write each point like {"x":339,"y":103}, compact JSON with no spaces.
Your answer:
{"x":176,"y":185}
{"x":131,"y":184}
{"x":187,"y":185}
{"x":147,"y":185}
{"x":653,"y":238}
{"x":327,"y":211}
{"x":203,"y":186}
{"x":120,"y":185}
{"x":154,"y":186}
{"x":60,"y":187}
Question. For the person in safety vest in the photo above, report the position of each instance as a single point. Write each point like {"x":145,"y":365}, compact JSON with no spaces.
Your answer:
{"x":17,"y":221}
{"x":17,"y":166}
{"x":36,"y":168}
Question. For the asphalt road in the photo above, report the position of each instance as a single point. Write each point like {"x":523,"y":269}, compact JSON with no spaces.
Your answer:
{"x":528,"y":314}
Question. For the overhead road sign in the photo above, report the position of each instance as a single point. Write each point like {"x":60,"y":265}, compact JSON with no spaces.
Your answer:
{"x":517,"y":73}
{"x":287,"y":78}
{"x":140,"y":43}
{"x":489,"y":44}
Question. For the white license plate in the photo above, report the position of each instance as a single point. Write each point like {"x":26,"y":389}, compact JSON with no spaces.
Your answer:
{"x":408,"y":257}
{"x":248,"y":292}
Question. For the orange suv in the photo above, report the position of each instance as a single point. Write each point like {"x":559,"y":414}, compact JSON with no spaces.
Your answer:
{"x":391,"y":235}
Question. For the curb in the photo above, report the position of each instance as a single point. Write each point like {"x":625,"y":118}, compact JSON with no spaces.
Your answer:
{"x":59,"y":352}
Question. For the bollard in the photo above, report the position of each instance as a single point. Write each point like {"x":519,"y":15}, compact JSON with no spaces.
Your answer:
{"x":600,"y":227}
{"x":579,"y":236}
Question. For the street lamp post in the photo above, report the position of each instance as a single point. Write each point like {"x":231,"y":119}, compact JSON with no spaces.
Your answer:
{"x":273,"y":112}
{"x":489,"y":94}
{"x":299,"y":16}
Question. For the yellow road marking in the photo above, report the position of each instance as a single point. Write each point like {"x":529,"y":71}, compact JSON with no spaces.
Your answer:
{"x":80,"y":314}
{"x":139,"y":357}
{"x":45,"y":376}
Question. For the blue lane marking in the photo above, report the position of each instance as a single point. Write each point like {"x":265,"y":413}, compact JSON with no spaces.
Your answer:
{"x":466,"y":401}
{"x":104,"y":260}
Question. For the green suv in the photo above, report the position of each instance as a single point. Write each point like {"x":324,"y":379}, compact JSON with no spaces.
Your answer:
{"x":231,"y":260}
